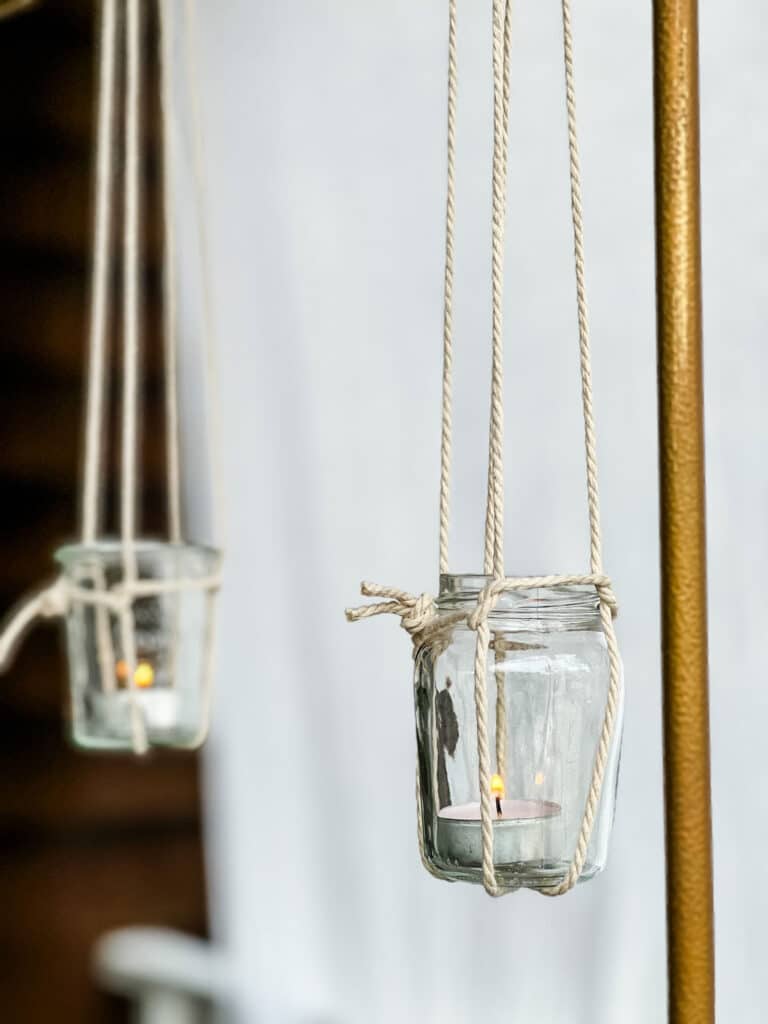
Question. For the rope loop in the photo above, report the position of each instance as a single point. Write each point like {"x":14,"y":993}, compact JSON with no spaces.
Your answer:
{"x":492,"y":591}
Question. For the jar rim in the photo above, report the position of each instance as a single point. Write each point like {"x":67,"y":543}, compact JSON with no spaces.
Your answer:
{"x":464,"y":588}
{"x":111,"y":548}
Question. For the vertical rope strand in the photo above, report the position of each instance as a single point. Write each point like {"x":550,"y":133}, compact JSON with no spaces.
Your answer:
{"x":494,"y":519}
{"x":450,"y":214}
{"x":170,"y":297}
{"x":494,"y":534}
{"x":501,"y":708}
{"x":211,"y":361}
{"x":131,"y":314}
{"x":484,"y":759}
{"x":493,"y":526}
{"x":131,"y":288}
{"x":590,"y":444}
{"x":100,"y":270}
{"x":498,"y":527}
{"x":601,"y":757}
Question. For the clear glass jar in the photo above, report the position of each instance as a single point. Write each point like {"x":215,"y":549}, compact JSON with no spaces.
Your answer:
{"x":172,"y":634}
{"x":548,"y":669}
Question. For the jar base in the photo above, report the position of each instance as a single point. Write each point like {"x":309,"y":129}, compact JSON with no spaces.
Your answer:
{"x":104,"y":743}
{"x":535,"y":875}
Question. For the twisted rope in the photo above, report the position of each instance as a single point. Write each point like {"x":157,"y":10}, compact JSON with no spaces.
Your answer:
{"x":450,"y":214}
{"x":194,"y":73}
{"x":170,"y":310}
{"x":494,"y":547}
{"x":501,"y":709}
{"x":494,"y":521}
{"x":99,"y":284}
{"x":478,"y":620}
{"x":416,"y":612}
{"x":585,"y":359}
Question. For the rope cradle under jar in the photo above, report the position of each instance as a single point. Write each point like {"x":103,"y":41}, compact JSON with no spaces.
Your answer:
{"x":56,"y":599}
{"x":418,"y":614}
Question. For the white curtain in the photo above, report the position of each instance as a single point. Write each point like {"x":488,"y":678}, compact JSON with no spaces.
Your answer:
{"x":325,"y":133}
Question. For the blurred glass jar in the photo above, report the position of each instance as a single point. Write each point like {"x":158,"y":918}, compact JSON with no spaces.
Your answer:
{"x":548,"y":669}
{"x":169,"y":692}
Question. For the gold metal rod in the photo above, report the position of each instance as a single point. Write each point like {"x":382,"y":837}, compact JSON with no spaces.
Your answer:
{"x":683,"y":557}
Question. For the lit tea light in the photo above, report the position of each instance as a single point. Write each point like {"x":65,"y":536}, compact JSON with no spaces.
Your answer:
{"x":158,"y":704}
{"x":143,"y":677}
{"x":520,"y":831}
{"x":497,"y":790}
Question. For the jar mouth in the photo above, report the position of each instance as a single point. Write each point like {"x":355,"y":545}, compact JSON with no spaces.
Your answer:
{"x":108,"y":551}
{"x":460,"y":589}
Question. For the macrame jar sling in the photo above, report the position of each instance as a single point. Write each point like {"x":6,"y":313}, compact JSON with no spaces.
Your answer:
{"x":139,"y":613}
{"x":542,"y":818}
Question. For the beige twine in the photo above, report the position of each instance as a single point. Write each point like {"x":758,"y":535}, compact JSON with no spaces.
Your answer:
{"x":418,"y":614}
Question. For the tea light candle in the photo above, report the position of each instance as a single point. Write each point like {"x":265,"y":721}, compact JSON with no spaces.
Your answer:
{"x":158,"y":705}
{"x":519,"y":833}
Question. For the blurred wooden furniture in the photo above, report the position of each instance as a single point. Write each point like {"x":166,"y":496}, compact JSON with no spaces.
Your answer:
{"x":86,"y":843}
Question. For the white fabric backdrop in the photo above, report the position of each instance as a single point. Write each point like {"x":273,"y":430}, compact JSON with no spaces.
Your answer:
{"x":325,"y":126}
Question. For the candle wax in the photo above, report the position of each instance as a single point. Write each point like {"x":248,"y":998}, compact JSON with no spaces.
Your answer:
{"x":521,"y":834}
{"x":158,"y":706}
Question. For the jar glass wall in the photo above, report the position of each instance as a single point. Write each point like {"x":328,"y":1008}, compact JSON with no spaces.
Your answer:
{"x":172,"y":629}
{"x":547,"y":678}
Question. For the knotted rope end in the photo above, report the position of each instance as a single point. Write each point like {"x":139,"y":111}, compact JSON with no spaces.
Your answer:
{"x":415,"y":611}
{"x":48,"y":603}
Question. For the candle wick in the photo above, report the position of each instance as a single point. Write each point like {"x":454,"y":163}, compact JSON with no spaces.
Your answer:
{"x":498,"y":807}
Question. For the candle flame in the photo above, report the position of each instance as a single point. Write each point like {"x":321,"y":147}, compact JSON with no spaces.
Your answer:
{"x":497,"y":786}
{"x":538,"y":778}
{"x":143,"y":677}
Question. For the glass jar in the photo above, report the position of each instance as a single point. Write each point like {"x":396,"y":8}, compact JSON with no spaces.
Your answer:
{"x":168,"y":693}
{"x":547,"y":683}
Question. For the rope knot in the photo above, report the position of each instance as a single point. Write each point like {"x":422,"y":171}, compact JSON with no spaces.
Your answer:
{"x":486,"y":602}
{"x":419,"y":614}
{"x":54,"y":600}
{"x":415,"y":611}
{"x":607,"y":596}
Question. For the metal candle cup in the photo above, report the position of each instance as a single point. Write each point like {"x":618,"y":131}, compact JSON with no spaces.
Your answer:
{"x":518,"y":836}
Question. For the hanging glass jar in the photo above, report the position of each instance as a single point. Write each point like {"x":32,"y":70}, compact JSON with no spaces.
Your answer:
{"x":548,"y":678}
{"x":154,"y":677}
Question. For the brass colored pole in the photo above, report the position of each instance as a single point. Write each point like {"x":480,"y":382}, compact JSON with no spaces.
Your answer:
{"x":683,"y":557}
